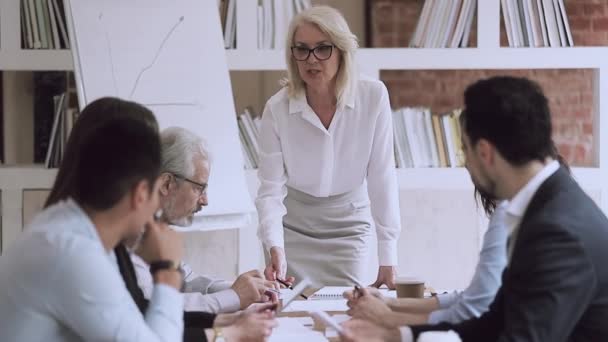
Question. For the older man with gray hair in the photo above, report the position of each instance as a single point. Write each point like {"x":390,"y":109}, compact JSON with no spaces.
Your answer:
{"x":183,"y":192}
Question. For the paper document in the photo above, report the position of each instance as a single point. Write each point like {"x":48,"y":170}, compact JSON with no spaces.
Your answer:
{"x":327,"y":320}
{"x":337,"y":292}
{"x":331,"y":292}
{"x":292,"y":330}
{"x":317,"y":305}
{"x":288,"y":297}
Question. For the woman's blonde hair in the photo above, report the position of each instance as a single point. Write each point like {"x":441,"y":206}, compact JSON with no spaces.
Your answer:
{"x":331,"y":22}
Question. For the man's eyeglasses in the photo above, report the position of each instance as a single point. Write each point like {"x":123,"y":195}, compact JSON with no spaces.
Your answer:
{"x":321,"y":52}
{"x":201,"y":188}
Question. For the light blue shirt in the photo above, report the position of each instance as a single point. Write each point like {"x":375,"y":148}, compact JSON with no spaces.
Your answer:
{"x":57,"y":283}
{"x":456,"y":307}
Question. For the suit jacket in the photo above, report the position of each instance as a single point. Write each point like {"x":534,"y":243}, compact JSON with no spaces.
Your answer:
{"x":555,"y":287}
{"x":195,"y":323}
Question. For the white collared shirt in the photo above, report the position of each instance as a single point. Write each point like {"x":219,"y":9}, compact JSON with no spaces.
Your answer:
{"x":297,"y":151}
{"x":519,"y":203}
{"x":201,"y":293}
{"x":58,"y":283}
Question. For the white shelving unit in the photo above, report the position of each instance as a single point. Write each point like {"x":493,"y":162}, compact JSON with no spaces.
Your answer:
{"x":12,"y":57}
{"x":487,"y":55}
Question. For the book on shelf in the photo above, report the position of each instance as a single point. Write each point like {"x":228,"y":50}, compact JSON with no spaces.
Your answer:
{"x":230,"y":25}
{"x":444,"y":23}
{"x":63,"y":121}
{"x":536,"y":23}
{"x":249,"y":126}
{"x":1,"y":119}
{"x":43,"y":25}
{"x":423,"y":139}
{"x":55,"y":104}
{"x":273,"y":18}
{"x":46,"y":86}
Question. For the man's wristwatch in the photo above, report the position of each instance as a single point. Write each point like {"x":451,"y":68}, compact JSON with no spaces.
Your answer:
{"x":169,"y":265}
{"x":218,"y":336}
{"x":162,"y":265}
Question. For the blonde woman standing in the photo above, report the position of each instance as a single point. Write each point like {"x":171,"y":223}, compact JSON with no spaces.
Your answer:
{"x":326,"y":161}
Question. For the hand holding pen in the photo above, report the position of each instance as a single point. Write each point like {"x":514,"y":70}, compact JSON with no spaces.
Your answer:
{"x":289,"y":286}
{"x":357,"y":292}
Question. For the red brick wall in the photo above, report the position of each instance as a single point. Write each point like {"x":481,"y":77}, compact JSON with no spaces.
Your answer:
{"x":570,"y":92}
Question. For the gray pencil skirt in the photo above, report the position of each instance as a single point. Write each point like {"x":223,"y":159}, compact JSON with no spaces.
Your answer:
{"x":327,"y":238}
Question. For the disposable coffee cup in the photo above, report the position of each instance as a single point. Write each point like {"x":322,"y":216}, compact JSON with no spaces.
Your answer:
{"x":409,"y":287}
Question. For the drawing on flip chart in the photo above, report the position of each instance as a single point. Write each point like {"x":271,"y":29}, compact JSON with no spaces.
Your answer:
{"x":115,"y":83}
{"x":168,"y":56}
{"x":149,"y":66}
{"x":158,"y":51}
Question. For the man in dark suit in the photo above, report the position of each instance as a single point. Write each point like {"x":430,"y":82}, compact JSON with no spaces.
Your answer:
{"x":555,"y":287}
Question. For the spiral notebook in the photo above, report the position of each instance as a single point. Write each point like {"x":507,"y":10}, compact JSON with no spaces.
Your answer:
{"x":331,"y":292}
{"x":336,"y":292}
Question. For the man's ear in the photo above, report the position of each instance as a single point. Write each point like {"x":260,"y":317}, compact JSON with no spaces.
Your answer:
{"x":140,"y":193}
{"x":165,"y":183}
{"x":485,"y":151}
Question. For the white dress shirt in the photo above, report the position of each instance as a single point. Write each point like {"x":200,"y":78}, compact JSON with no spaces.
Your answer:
{"x":515,"y":212}
{"x":458,"y":306}
{"x":200,"y":293}
{"x":57,"y":283}
{"x":297,"y":151}
{"x":519,"y":203}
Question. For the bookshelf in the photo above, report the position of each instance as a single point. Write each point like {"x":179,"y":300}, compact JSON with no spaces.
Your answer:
{"x":14,"y":57}
{"x":488,"y":54}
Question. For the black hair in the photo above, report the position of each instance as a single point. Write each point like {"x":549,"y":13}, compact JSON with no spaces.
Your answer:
{"x":513,"y":114}
{"x":113,"y":145}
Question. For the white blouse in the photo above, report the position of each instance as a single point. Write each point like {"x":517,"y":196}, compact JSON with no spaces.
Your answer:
{"x":297,"y":151}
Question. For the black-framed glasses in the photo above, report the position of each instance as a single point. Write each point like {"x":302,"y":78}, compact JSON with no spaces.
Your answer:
{"x":322,"y":52}
{"x":201,"y":188}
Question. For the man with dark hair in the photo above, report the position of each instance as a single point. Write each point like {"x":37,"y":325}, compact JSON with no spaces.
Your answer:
{"x":57,"y":281}
{"x":555,"y":286}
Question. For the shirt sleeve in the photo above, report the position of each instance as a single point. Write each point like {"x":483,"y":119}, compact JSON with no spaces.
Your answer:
{"x":94,"y":303}
{"x":273,"y":179}
{"x":207,"y":294}
{"x":406,"y":334}
{"x":448,"y":299}
{"x":382,"y":184}
{"x":202,"y":283}
{"x":144,"y":278}
{"x":226,"y":301}
{"x":477,"y":297}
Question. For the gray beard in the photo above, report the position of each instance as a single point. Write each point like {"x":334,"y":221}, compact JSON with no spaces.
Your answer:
{"x":182,"y":222}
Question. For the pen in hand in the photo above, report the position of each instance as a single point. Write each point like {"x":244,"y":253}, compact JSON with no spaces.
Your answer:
{"x":287,"y":285}
{"x":357,"y":292}
{"x":284,"y":283}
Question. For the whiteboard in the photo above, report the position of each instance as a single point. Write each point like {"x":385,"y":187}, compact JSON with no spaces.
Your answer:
{"x":170,"y":57}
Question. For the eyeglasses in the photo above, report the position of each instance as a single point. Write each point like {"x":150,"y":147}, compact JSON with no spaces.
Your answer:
{"x":201,"y":188}
{"x":321,"y":52}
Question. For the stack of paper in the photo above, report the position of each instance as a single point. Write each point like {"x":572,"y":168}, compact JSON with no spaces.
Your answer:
{"x":291,"y":329}
{"x":317,"y":305}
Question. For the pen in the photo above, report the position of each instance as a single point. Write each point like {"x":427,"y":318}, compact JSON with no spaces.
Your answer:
{"x":285,"y":284}
{"x":357,"y":292}
{"x":290,"y":287}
